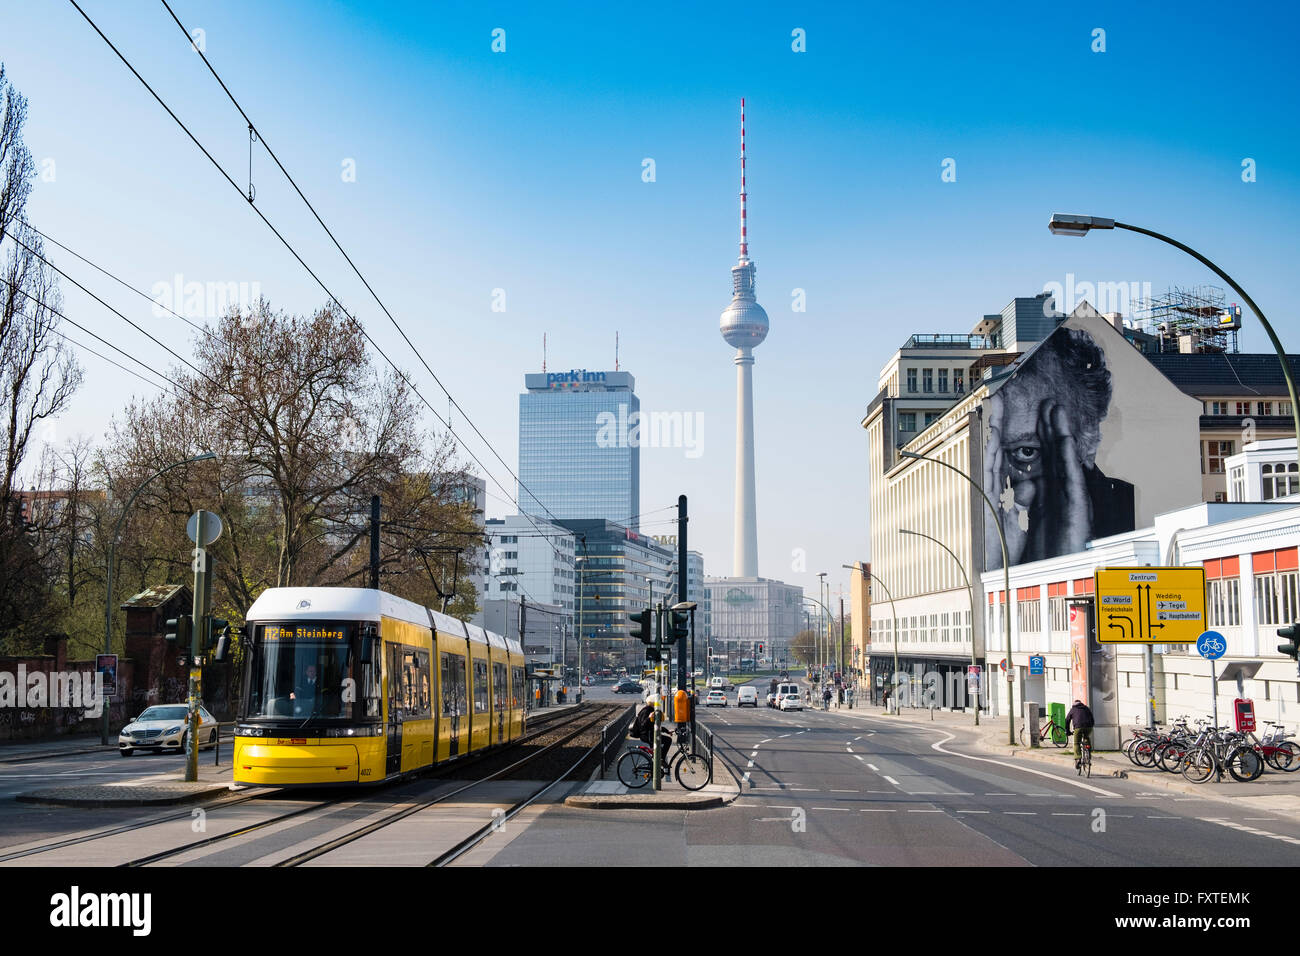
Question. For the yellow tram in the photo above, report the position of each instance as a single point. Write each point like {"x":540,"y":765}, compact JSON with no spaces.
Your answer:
{"x":356,"y":686}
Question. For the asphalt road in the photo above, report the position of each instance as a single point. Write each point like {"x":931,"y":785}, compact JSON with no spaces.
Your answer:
{"x":831,"y":788}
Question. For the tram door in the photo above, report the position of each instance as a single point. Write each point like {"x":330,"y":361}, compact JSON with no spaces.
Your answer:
{"x":394,"y":735}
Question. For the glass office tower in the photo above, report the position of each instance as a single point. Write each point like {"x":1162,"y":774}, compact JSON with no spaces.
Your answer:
{"x":579,"y":447}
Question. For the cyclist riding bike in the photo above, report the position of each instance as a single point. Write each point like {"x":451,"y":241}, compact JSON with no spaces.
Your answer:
{"x":1079,"y":717}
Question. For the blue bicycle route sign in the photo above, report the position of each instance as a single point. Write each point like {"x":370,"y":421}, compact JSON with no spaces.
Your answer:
{"x":1211,"y":645}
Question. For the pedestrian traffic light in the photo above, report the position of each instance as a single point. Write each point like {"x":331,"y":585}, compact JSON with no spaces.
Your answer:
{"x":1292,"y":635}
{"x":641,"y":626}
{"x":179,"y":631}
{"x":217,"y":639}
{"x":680,"y":625}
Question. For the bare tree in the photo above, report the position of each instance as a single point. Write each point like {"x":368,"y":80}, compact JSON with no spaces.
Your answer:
{"x":38,"y":374}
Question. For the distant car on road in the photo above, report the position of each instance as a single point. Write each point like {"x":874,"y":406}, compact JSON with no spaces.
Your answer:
{"x":790,"y":702}
{"x":716,"y":698}
{"x":747,"y":695}
{"x":627,"y":686}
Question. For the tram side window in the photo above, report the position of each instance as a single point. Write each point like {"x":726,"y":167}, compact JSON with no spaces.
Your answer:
{"x":499,"y":689}
{"x":516,"y":687}
{"x":368,"y":683}
{"x":480,"y":687}
{"x":453,"y":685}
{"x":413,"y":689}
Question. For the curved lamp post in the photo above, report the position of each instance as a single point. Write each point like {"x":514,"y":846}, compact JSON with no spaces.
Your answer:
{"x":971,"y":588}
{"x":1063,"y":225}
{"x":893,"y":609}
{"x":112,"y":554}
{"x":1006,"y":581}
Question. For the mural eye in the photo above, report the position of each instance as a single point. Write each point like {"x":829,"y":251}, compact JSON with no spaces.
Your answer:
{"x":1024,"y":454}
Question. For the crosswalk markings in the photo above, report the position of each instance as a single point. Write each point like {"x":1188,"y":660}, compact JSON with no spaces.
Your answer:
{"x":891,"y":779}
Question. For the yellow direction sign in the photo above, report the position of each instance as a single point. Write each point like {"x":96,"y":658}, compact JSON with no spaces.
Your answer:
{"x":1150,"y":605}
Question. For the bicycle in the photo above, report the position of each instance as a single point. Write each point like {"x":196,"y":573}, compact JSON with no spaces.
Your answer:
{"x":1050,"y":730}
{"x":1085,"y":760}
{"x":636,"y":767}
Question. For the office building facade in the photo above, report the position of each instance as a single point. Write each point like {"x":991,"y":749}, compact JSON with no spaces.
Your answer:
{"x":749,"y":612}
{"x":579,"y":447}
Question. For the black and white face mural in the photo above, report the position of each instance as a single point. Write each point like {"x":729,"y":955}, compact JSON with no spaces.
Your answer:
{"x":1043,"y":428}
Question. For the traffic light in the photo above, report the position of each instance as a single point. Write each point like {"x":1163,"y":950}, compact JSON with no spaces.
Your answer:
{"x":179,"y":631}
{"x":760,"y":648}
{"x":680,"y":625}
{"x":217,"y":640}
{"x":1292,"y":634}
{"x":641,"y":626}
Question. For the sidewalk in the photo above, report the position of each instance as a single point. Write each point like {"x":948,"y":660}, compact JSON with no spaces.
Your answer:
{"x":161,"y":789}
{"x":1270,"y":791}
{"x":19,"y":751}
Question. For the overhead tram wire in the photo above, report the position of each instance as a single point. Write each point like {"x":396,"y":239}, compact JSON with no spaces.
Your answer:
{"x":176,"y":355}
{"x":270,"y":152}
{"x":100,"y":338}
{"x":122,"y":282}
{"x":86,"y":348}
{"x":294,"y":252}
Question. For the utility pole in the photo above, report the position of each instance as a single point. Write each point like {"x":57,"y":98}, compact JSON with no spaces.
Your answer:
{"x":681,"y":585}
{"x":204,"y":533}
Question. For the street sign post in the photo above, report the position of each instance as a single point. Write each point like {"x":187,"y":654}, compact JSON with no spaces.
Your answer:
{"x":1150,"y":605}
{"x":1211,"y":645}
{"x":1037,"y":665}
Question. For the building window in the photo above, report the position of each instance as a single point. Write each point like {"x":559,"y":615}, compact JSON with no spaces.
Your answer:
{"x":911,"y":380}
{"x":907,"y":421}
{"x":943,"y":380}
{"x":1275,"y":598}
{"x":1030,"y":617}
{"x":1243,"y":408}
{"x":1059,"y":610}
{"x":1217,"y":408}
{"x":1215,"y":453}
{"x":927,"y":380}
{"x":1284,"y":408}
{"x":1264,"y":408}
{"x":1223,"y":602}
{"x":1279,"y":480}
{"x":958,"y":381}
{"x":1238,"y":480}
{"x":931,"y":418}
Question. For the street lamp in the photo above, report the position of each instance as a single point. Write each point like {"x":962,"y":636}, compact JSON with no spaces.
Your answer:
{"x":893,"y":608}
{"x":112,"y":555}
{"x":971,"y":589}
{"x":1006,"y":579}
{"x":1063,"y":225}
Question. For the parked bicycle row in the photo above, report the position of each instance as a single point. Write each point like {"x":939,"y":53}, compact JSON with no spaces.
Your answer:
{"x":1207,"y":752}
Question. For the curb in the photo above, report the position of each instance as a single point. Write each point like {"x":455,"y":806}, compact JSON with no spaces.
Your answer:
{"x":52,"y":798}
{"x":98,"y":748}
{"x":647,"y":801}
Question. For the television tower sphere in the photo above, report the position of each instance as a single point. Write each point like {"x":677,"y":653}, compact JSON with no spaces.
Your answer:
{"x":744,"y":322}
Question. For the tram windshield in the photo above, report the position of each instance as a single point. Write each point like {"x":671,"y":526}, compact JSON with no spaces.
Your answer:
{"x":299,"y":670}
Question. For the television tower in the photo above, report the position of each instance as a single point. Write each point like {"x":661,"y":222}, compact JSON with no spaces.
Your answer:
{"x":743,"y":326}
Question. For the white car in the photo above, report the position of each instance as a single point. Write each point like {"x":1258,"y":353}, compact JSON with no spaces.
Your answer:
{"x":163,"y":727}
{"x":789,"y":702}
{"x":716,"y":698}
{"x":747,"y":695}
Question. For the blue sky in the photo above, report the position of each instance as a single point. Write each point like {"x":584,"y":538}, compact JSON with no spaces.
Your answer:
{"x":522,"y":171}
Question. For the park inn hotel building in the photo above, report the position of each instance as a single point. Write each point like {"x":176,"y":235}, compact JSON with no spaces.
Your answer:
{"x":1094,"y":454}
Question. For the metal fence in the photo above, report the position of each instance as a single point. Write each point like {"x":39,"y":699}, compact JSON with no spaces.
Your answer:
{"x":612,"y":736}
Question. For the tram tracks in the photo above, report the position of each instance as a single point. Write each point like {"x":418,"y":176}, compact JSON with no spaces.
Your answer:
{"x":538,"y":729}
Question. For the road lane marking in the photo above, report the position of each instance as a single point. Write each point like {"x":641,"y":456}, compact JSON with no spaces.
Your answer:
{"x":974,"y":811}
{"x":837,"y":809}
{"x":1069,"y":814}
{"x":874,"y":767}
{"x":767,"y":741}
{"x":857,"y":756}
{"x":1256,"y":832}
{"x":882,"y":810}
{"x":925,"y":811}
{"x":938,"y":746}
{"x":750,"y":765}
{"x":1019,"y":813}
{"x":854,"y":791}
{"x":891,"y":780}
